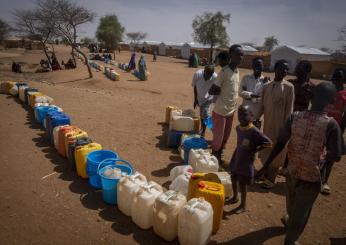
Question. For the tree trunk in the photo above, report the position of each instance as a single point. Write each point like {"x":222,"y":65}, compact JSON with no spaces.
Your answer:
{"x":45,"y":52}
{"x":74,"y":45}
{"x":211,"y":53}
{"x":85,"y":62}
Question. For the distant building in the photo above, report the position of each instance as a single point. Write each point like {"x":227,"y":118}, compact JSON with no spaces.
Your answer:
{"x":294,"y":54}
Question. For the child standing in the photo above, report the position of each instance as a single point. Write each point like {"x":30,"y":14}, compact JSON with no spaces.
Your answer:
{"x":249,"y":141}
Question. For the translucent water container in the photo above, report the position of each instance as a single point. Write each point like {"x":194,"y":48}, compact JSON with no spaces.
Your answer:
{"x":182,"y":123}
{"x":195,"y":222}
{"x":178,"y":170}
{"x":168,"y":112}
{"x":127,"y":189}
{"x":226,"y":181}
{"x":166,"y":209}
{"x":181,"y":183}
{"x":143,"y":203}
{"x":204,"y":162}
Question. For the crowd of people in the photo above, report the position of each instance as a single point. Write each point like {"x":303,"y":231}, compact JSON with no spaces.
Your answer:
{"x":302,"y":134}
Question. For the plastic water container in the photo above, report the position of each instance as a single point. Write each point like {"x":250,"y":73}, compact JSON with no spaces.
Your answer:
{"x":6,"y":86}
{"x":35,"y":110}
{"x":173,"y":138}
{"x":115,"y":76}
{"x":198,"y":177}
{"x":31,"y":95}
{"x":70,"y":156}
{"x":26,"y":91}
{"x":61,"y":138}
{"x":43,"y":110}
{"x":203,"y":162}
{"x":169,"y":109}
{"x":80,"y":155}
{"x":182,"y":123}
{"x":96,"y":160}
{"x":195,"y":222}
{"x":43,"y":99}
{"x":178,"y":170}
{"x":142,"y":205}
{"x":56,"y":135}
{"x":14,"y":91}
{"x":226,"y":181}
{"x":181,"y":183}
{"x":209,"y":123}
{"x":193,"y":143}
{"x":166,"y":209}
{"x":214,"y":194}
{"x":183,"y":138}
{"x":21,"y":92}
{"x":196,"y":154}
{"x":48,"y":125}
{"x":110,"y":180}
{"x":127,"y":189}
{"x":71,"y":136}
{"x":56,"y":120}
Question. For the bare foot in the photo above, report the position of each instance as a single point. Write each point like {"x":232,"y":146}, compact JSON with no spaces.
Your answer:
{"x":240,"y":209}
{"x":233,"y":200}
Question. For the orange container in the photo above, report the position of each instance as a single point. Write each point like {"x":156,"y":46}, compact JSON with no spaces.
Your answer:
{"x":61,"y":142}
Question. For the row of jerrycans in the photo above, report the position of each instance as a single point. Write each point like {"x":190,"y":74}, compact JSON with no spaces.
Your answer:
{"x":168,"y":212}
{"x":74,"y":144}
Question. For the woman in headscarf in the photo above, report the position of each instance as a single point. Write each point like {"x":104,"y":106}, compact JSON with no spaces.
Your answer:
{"x":142,"y":67}
{"x":132,"y":63}
{"x":195,"y":61}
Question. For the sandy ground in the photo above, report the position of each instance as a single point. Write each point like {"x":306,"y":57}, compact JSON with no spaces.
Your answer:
{"x":126,"y":116}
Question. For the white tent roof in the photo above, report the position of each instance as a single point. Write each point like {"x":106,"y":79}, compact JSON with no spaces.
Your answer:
{"x":307,"y":50}
{"x":249,"y":48}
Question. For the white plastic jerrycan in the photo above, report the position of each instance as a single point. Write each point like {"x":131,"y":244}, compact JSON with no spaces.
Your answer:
{"x":181,"y":183}
{"x":194,"y":155}
{"x":225,"y":179}
{"x":183,"y":138}
{"x":182,"y":123}
{"x":206,"y":163}
{"x":175,"y":112}
{"x":166,"y":209}
{"x":142,"y":204}
{"x":195,"y":222}
{"x":178,"y":170}
{"x":126,"y":190}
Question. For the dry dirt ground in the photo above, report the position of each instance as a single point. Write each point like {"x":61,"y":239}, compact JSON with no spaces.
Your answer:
{"x":125,"y":116}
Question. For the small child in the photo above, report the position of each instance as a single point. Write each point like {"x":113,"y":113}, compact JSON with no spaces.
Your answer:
{"x":249,"y":141}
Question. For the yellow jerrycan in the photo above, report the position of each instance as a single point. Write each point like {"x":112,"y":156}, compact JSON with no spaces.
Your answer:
{"x":80,"y":155}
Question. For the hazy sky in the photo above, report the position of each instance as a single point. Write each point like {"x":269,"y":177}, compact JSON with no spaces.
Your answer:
{"x":295,"y":22}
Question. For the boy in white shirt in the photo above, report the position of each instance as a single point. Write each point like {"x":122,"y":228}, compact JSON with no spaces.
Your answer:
{"x":202,"y":82}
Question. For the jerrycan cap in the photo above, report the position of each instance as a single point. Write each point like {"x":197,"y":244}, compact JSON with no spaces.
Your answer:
{"x":201,"y":185}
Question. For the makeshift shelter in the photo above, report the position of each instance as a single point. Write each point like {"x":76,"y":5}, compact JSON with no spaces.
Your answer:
{"x":294,"y":54}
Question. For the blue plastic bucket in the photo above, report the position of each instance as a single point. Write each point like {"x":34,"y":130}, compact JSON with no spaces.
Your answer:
{"x":109,"y":185}
{"x":193,"y":143}
{"x":99,"y":159}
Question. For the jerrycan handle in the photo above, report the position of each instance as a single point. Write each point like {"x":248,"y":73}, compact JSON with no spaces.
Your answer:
{"x":138,"y":175}
{"x":104,"y":161}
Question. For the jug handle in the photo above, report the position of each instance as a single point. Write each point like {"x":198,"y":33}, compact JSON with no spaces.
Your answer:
{"x":123,"y":161}
{"x":103,"y":161}
{"x":140,"y":176}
